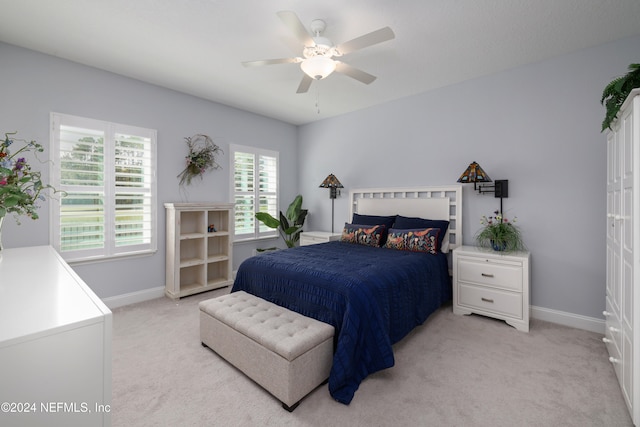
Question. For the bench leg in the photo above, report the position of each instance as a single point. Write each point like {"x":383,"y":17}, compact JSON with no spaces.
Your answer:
{"x":292,"y":407}
{"x":295,"y":405}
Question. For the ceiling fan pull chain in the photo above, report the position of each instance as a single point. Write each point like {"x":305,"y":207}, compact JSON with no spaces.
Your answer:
{"x":318,"y":99}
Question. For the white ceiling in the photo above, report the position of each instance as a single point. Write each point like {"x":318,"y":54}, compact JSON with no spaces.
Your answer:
{"x":196,"y":46}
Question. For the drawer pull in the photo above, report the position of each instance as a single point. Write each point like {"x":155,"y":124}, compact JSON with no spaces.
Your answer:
{"x":606,"y":313}
{"x":614,"y":330}
{"x":614,"y":360}
{"x":606,"y":340}
{"x":486,"y":299}
{"x":486,"y":275}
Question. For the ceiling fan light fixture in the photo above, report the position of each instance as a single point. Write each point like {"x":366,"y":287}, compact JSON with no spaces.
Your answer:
{"x":318,"y":49}
{"x":318,"y":67}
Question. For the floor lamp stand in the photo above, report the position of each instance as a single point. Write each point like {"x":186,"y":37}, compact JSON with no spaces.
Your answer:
{"x":332,"y":221}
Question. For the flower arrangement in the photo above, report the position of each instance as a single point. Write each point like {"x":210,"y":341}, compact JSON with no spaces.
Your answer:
{"x":20,"y":186}
{"x":499,"y":233}
{"x":201,"y":157}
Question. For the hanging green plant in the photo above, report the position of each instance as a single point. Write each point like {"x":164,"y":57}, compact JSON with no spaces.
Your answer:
{"x":616,"y":92}
{"x":201,"y":157}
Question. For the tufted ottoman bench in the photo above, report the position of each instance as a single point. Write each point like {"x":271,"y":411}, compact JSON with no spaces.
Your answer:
{"x":285,"y":352}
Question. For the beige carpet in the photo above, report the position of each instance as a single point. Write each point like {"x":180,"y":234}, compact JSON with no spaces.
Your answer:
{"x":451,"y":371}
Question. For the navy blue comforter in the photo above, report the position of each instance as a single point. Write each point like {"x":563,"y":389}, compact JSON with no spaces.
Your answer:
{"x":372,"y":296}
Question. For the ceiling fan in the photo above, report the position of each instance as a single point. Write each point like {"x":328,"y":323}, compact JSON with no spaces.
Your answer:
{"x":319,"y":52}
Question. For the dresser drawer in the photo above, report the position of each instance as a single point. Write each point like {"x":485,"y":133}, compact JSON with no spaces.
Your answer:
{"x":490,"y":300}
{"x":491,"y":273}
{"x":615,"y":357}
{"x":613,"y":331}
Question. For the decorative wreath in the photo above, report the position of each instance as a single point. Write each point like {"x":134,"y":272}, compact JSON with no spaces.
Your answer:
{"x":201,"y":157}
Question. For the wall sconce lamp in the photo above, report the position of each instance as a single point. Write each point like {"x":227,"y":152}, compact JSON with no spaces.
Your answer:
{"x":474,"y":173}
{"x":332,"y":183}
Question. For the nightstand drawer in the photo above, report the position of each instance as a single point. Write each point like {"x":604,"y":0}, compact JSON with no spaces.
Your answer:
{"x":311,"y":240}
{"x":496,"y":274}
{"x":491,"y":300}
{"x":314,"y":237}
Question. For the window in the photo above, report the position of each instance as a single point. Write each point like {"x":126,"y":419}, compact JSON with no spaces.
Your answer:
{"x":107,"y":171}
{"x":255,"y":189}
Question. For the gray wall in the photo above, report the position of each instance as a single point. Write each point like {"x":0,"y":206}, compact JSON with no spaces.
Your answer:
{"x":32,"y":85}
{"x":536,"y":125}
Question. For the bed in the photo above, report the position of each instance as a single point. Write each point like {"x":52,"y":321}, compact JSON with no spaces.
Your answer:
{"x":373,"y":296}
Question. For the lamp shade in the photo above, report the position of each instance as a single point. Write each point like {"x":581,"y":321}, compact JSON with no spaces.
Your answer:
{"x":318,"y":67}
{"x":474,"y":173}
{"x":331,"y":182}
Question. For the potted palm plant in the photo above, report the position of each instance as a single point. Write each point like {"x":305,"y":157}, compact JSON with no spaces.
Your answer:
{"x":616,"y":92}
{"x":289,"y":225}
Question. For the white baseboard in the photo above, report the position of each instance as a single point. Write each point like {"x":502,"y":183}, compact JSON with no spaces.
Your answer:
{"x":568,"y":319}
{"x":134,"y":297}
{"x":554,"y":316}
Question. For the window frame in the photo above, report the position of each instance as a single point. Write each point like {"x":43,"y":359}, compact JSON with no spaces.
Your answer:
{"x":109,"y":189}
{"x":257,"y":153}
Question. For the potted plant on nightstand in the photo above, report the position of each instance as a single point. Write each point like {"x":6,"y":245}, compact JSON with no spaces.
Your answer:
{"x":499,"y":234}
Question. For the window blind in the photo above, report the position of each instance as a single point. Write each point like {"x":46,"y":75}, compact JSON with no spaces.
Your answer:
{"x":255,"y":189}
{"x":108,"y":174}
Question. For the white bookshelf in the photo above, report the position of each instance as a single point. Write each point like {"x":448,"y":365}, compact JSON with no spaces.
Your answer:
{"x":199,"y":247}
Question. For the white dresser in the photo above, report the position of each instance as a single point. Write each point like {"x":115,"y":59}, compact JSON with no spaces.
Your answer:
{"x":55,"y":343}
{"x":494,"y":284}
{"x":622,"y":314}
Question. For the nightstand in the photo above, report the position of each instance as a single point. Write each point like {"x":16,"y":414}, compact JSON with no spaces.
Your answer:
{"x":494,"y":284}
{"x":313,"y":237}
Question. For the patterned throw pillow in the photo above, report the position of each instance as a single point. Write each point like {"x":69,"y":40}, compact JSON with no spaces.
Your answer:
{"x":416,"y":240}
{"x":410,"y":223}
{"x":368,"y":235}
{"x":387,"y":221}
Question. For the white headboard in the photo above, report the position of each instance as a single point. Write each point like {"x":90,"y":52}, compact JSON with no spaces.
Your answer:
{"x":423,"y":202}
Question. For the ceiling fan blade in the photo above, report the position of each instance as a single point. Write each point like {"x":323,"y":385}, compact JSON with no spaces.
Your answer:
{"x":304,"y":84}
{"x":375,"y":37}
{"x":354,"y":73}
{"x":271,"y":62}
{"x":292,"y":21}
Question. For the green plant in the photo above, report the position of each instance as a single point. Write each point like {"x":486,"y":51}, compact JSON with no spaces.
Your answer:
{"x":499,"y":233}
{"x":201,"y":157}
{"x":20,"y":186}
{"x":290,"y":224}
{"x":616,"y":92}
